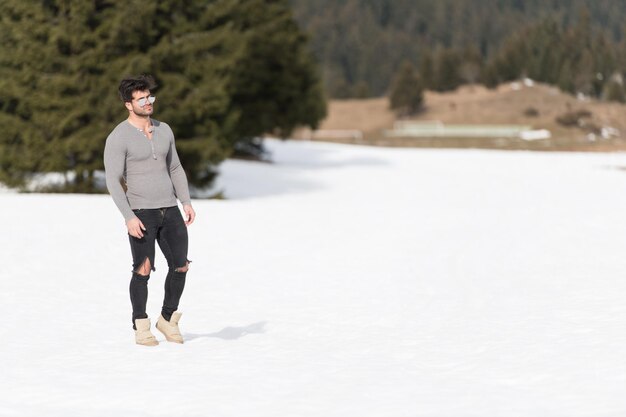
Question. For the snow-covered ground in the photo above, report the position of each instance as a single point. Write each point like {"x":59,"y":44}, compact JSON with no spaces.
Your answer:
{"x":338,"y":281}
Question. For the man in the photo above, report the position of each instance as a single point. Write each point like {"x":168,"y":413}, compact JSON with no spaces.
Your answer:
{"x":144,"y":176}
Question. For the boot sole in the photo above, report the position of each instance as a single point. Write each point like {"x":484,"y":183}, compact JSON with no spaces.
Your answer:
{"x":147,"y":344}
{"x":169,"y":339}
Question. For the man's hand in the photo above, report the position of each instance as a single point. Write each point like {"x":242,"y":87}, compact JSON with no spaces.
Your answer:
{"x":190,"y":214}
{"x":135,"y":227}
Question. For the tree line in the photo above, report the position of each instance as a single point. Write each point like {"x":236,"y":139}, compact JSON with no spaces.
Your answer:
{"x":362,"y":44}
{"x":576,"y":59}
{"x":228,"y":71}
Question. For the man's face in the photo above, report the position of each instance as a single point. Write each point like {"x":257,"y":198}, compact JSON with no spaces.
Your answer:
{"x":135,"y":107}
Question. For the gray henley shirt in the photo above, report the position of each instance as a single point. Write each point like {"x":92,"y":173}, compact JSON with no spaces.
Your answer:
{"x":149,"y":169}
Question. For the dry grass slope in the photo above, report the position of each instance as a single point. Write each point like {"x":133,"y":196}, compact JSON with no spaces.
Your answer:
{"x":535,"y":105}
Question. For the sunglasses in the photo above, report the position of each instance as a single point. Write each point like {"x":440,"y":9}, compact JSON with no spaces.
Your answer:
{"x":145,"y":100}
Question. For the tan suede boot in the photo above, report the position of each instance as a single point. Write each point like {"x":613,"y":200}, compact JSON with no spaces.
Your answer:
{"x":170,"y":328}
{"x":143,"y":335}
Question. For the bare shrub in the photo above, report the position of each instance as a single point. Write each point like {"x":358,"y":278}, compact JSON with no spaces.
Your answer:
{"x":573,"y":118}
{"x":531,"y":112}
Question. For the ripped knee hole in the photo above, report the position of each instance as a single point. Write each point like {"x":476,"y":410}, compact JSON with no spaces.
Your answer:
{"x":183,"y":268}
{"x":145,"y":268}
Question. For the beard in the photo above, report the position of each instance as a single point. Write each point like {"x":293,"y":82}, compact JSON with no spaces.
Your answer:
{"x":147,"y":110}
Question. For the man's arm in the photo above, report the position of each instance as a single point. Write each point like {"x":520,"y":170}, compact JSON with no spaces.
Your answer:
{"x":179,"y":181}
{"x":114,"y":161}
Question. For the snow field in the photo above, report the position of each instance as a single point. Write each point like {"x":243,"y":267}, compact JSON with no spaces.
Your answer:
{"x":340,"y":280}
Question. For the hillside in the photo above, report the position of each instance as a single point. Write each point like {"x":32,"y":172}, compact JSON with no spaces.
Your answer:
{"x":508,"y":104}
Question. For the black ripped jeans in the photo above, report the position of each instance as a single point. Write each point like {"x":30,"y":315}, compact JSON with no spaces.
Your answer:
{"x":166,"y":227}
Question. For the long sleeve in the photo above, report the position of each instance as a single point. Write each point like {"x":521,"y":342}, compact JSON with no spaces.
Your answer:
{"x":177,"y":174}
{"x":114,"y":162}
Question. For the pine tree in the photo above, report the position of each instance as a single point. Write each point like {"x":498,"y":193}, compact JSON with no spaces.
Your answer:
{"x":614,"y":89}
{"x":471,"y":65}
{"x":406,"y":96}
{"x":426,"y":69}
{"x":605,"y":57}
{"x":544,"y":51}
{"x":489,"y":76}
{"x":275,"y":85}
{"x":53,"y":106}
{"x":566,"y":78}
{"x":447,"y":65}
{"x":585,"y":74}
{"x":62,"y":60}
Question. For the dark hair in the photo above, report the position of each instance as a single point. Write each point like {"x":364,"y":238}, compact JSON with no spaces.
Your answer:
{"x":132,"y":84}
